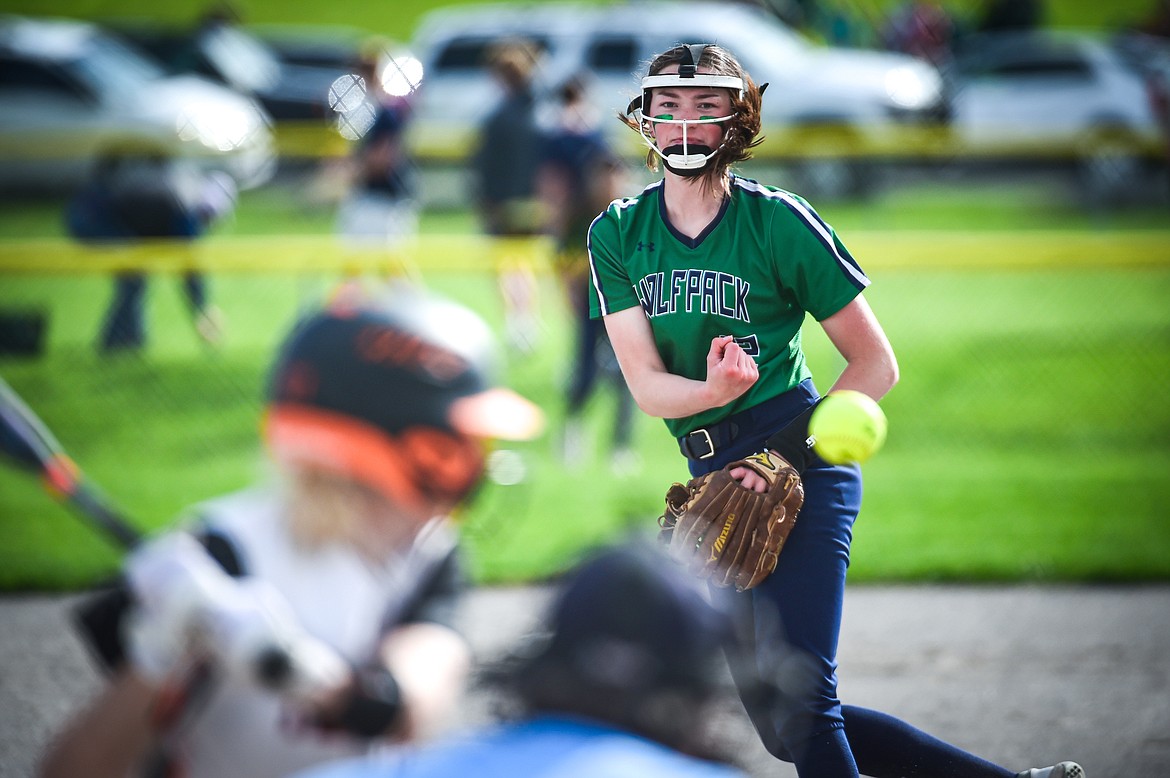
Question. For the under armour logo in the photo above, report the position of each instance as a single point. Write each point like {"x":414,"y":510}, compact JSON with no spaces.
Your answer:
{"x":647,"y":246}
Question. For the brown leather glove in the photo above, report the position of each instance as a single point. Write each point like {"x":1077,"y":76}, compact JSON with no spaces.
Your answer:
{"x":727,"y":533}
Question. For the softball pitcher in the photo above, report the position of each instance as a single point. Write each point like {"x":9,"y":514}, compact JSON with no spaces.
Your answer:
{"x":704,"y":280}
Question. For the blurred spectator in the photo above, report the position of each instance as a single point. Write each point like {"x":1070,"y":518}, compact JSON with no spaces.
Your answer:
{"x":133,"y":197}
{"x":504,"y":166}
{"x":1146,"y":44}
{"x":578,"y":177}
{"x":921,"y":28}
{"x":621,"y":686}
{"x":1010,"y":16}
{"x":381,"y":203}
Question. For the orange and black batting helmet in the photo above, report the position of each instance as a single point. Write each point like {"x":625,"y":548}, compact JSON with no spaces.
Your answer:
{"x":396,"y":392}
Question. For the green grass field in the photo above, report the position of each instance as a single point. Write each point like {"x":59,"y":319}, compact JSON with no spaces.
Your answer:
{"x":1028,"y":437}
{"x":398,"y":19}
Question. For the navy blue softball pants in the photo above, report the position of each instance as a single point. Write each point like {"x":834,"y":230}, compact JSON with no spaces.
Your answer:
{"x":786,"y":666}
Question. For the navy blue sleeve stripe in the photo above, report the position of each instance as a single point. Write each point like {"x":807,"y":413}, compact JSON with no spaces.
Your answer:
{"x":816,"y":226}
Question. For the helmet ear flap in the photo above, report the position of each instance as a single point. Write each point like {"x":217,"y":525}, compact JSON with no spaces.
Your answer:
{"x":445,"y":465}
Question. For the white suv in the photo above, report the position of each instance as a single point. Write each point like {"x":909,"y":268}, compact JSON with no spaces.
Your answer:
{"x":829,"y":108}
{"x":72,"y":92}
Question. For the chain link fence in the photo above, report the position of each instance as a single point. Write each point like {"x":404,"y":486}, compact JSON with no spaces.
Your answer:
{"x":1033,"y":365}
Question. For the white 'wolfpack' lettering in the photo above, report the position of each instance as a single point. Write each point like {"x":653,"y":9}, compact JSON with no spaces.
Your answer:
{"x":695,"y":290}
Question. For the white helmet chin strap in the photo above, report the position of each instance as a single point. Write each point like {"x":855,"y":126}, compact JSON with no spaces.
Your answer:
{"x":687,"y":77}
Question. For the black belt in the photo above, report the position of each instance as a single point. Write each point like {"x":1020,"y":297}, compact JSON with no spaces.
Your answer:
{"x":705,"y":441}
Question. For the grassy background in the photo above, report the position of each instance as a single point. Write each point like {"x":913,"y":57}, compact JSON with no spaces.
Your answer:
{"x":1028,"y":440}
{"x":397,"y":19}
{"x":1028,"y":436}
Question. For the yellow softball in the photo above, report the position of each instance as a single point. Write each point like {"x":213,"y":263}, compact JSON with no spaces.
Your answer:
{"x":848,"y":426}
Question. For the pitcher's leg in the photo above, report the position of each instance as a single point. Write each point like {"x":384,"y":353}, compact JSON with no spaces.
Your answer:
{"x":796,"y":620}
{"x":886,"y":747}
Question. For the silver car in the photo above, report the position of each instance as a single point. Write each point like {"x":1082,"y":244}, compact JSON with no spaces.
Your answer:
{"x":830,"y":110}
{"x":1056,"y":96}
{"x":71,"y":93}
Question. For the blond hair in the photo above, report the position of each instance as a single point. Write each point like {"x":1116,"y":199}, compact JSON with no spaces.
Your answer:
{"x":514,"y":61}
{"x":325,"y":508}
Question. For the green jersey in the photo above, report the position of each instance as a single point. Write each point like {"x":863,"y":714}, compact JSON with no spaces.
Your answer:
{"x":764,"y":262}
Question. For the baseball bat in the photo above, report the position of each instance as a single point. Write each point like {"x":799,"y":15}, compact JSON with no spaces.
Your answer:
{"x":30,"y":445}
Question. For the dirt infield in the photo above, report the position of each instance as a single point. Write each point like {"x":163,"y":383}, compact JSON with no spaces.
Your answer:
{"x":1021,"y":676}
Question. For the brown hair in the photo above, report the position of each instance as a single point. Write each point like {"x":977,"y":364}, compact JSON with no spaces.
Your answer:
{"x":740,"y":134}
{"x":513,"y":61}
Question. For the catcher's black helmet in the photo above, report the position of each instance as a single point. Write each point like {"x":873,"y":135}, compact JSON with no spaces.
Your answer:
{"x":395,"y":392}
{"x":633,"y":596}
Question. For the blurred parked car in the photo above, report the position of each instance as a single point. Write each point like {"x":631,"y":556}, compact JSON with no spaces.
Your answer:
{"x":344,"y":53}
{"x":323,"y":46}
{"x":832,"y":109}
{"x":242,"y":61}
{"x":291,"y":74}
{"x":1056,"y":96}
{"x":72,"y":92}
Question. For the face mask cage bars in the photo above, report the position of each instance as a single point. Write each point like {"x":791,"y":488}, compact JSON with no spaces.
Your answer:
{"x":687,"y":77}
